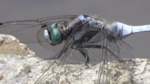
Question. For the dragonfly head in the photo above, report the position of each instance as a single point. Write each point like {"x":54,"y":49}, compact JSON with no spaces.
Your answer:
{"x":53,"y":34}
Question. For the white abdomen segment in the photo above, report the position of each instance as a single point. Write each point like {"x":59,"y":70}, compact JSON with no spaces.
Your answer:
{"x":120,"y":29}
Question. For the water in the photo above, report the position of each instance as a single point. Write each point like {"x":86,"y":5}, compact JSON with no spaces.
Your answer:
{"x":85,"y":40}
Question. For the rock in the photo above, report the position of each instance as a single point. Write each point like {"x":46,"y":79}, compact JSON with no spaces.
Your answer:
{"x":142,"y":71}
{"x":10,"y":45}
{"x":20,"y":65}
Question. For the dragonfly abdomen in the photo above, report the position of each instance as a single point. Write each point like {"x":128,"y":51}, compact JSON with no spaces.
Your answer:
{"x":122,"y":30}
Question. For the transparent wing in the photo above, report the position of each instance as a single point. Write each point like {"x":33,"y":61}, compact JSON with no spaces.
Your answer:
{"x":63,"y":58}
{"x":28,"y":30}
{"x":109,"y":54}
{"x":116,"y":59}
{"x":110,"y":49}
{"x":113,"y":57}
{"x":41,"y":20}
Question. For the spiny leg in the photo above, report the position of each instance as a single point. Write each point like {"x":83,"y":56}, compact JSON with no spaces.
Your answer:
{"x":99,"y":47}
{"x":84,"y":52}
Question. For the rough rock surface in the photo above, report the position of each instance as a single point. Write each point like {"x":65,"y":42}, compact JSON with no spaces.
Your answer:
{"x":19,"y":65}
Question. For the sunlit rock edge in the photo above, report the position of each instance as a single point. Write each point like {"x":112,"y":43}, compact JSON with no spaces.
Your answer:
{"x":20,"y":65}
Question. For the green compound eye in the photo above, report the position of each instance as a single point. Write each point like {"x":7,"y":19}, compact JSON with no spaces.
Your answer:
{"x":55,"y":34}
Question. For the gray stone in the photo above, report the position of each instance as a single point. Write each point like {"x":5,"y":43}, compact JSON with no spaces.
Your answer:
{"x":19,"y":65}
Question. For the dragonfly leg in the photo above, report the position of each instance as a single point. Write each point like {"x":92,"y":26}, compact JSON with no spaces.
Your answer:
{"x":100,"y":47}
{"x":84,"y":52}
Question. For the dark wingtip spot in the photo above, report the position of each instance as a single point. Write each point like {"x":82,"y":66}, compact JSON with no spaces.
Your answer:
{"x":43,"y":26}
{"x":85,"y":15}
{"x":1,"y":23}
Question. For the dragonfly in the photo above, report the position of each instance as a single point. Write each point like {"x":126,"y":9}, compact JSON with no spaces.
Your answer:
{"x":85,"y":39}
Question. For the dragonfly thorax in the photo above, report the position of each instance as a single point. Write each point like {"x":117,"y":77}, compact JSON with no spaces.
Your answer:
{"x":53,"y":34}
